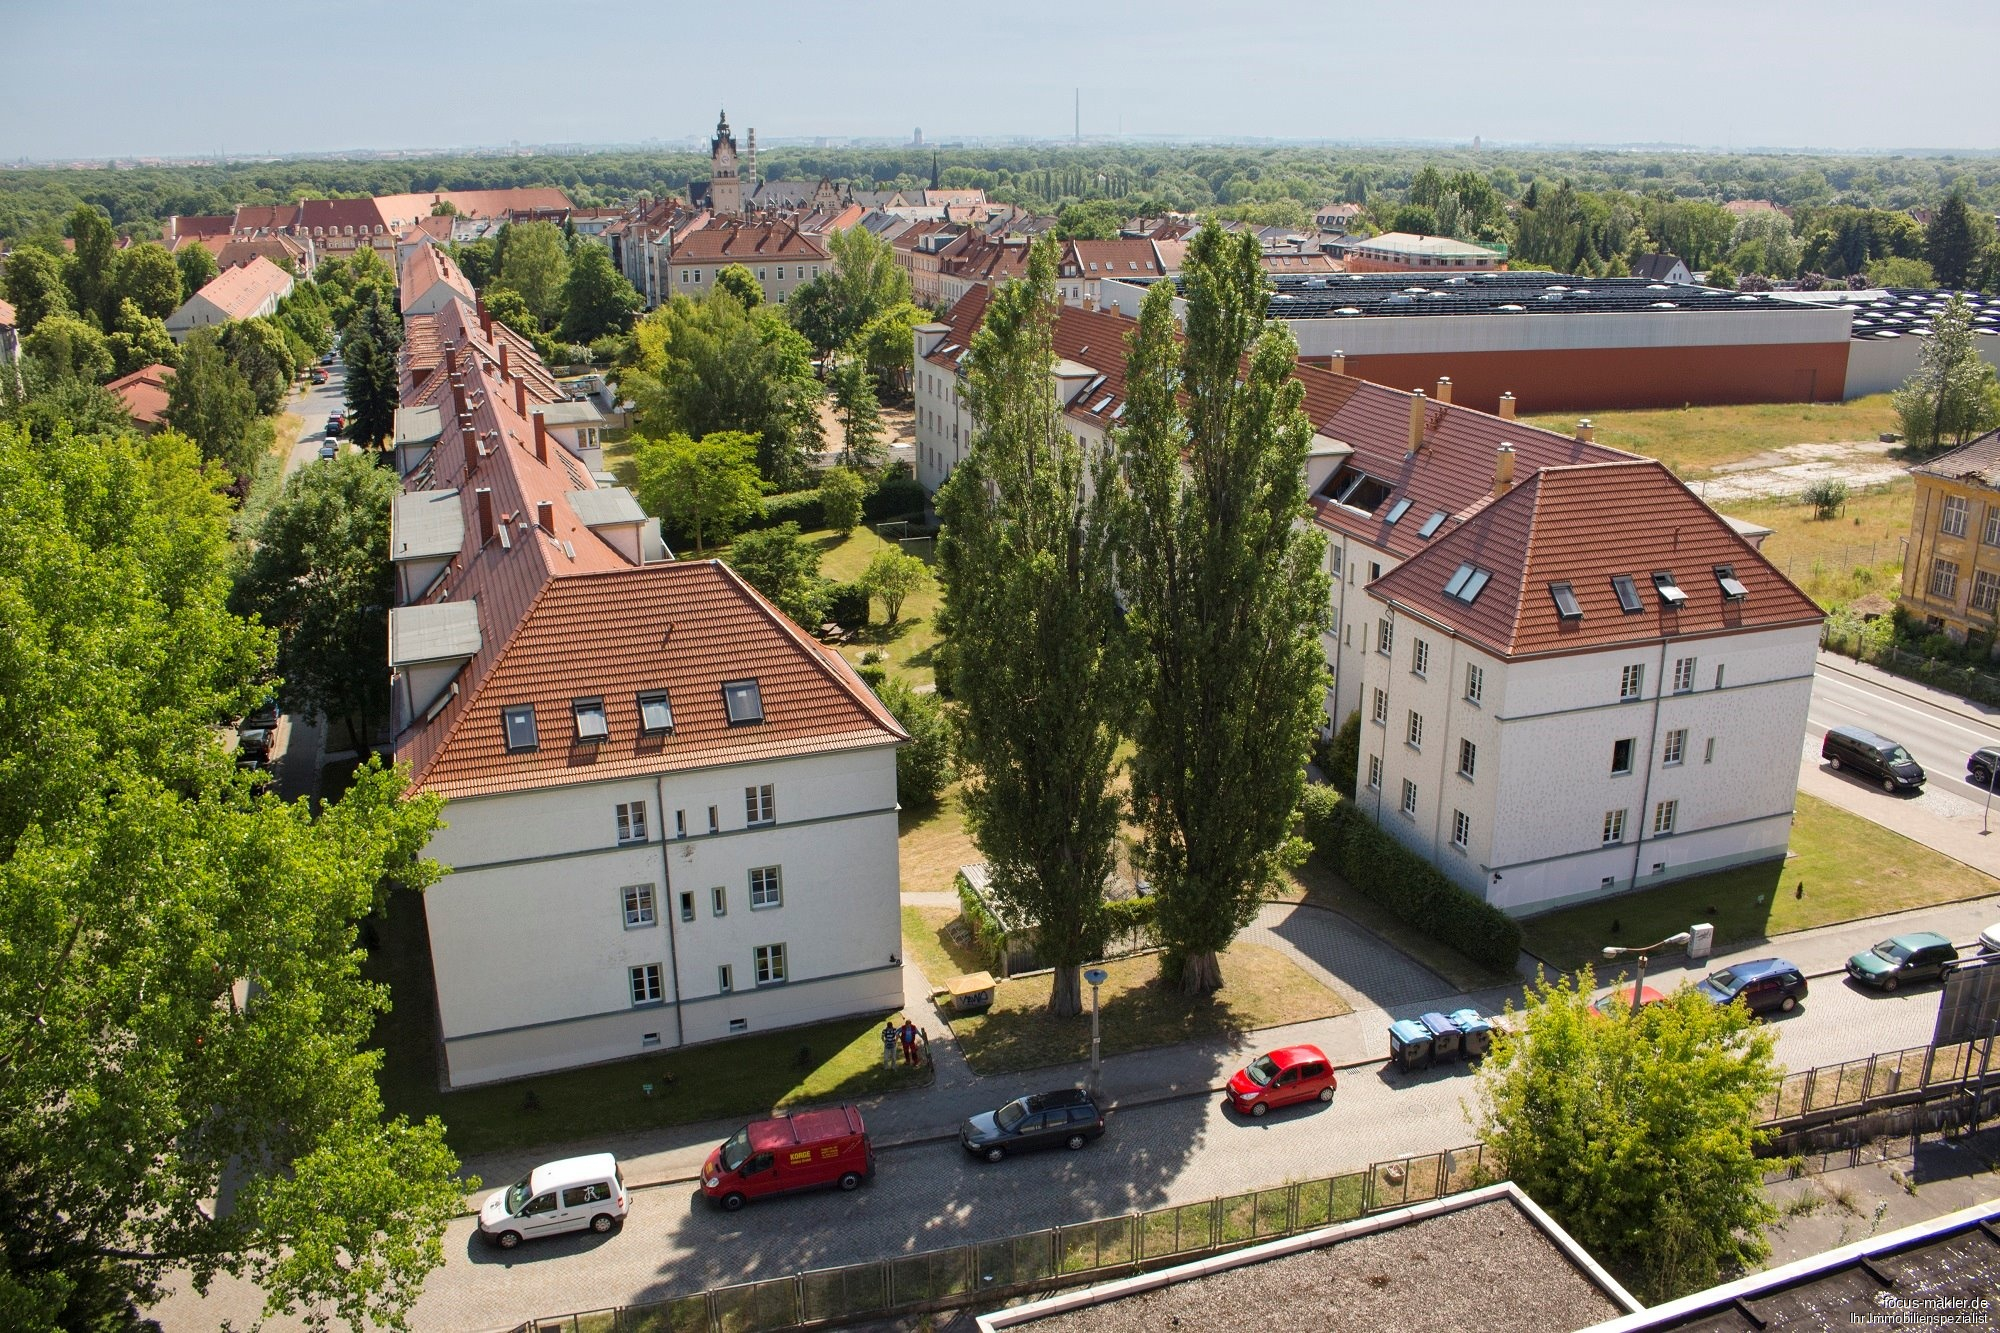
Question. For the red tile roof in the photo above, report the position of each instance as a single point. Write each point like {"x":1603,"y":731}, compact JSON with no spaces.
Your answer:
{"x":406,"y":208}
{"x":720,"y":244}
{"x":241,"y":292}
{"x":975,"y":257}
{"x":235,"y":251}
{"x":144,"y":391}
{"x":7,"y":316}
{"x":426,"y":267}
{"x":1580,"y":526}
{"x":1094,"y":338}
{"x":1106,"y":259}
{"x":334,"y":216}
{"x":255,"y":219}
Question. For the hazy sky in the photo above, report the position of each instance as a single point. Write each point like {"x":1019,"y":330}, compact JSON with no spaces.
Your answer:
{"x":100,"y":78}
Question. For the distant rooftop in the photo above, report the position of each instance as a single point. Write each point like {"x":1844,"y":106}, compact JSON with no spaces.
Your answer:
{"x":1898,"y":312}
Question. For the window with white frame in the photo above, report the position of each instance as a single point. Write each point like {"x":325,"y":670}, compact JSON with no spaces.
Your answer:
{"x":770,"y":961}
{"x":760,"y":804}
{"x":1475,"y":682}
{"x":1632,"y":681}
{"x":1991,"y":533}
{"x":1409,"y":797}
{"x":1944,"y":578}
{"x":1420,"y":656}
{"x":1952,"y":521}
{"x":1385,"y":638}
{"x":1683,"y":674}
{"x":646,"y":988}
{"x":1674,"y":747}
{"x":1380,"y":710}
{"x":1375,"y":772}
{"x":1461,"y":828}
{"x":631,"y":817}
{"x":638,"y":905}
{"x":725,"y":978}
{"x":1985,"y":590}
{"x":1614,"y":827}
{"x":1664,"y":815}
{"x":1468,"y":757}
{"x":765,"y":890}
{"x":1413,"y":734}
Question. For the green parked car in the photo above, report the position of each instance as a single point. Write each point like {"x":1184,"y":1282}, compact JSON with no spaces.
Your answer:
{"x":1919,"y":956}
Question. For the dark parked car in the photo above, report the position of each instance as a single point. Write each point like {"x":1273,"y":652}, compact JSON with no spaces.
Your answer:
{"x":264,"y":717}
{"x":253,"y":747}
{"x":1763,"y":984}
{"x":1065,"y":1118}
{"x":1982,"y":764}
{"x":1875,"y":757}
{"x":1903,"y":960}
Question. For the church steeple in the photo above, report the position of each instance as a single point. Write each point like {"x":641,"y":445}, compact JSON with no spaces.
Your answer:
{"x":725,"y":187}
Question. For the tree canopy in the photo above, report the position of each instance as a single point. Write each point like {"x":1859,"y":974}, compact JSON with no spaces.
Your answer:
{"x":783,"y":566}
{"x":597,"y":300}
{"x":210,"y":402}
{"x":704,"y":489}
{"x":535,"y":262}
{"x":1954,"y":394}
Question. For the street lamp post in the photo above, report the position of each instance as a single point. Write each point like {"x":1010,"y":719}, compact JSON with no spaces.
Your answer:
{"x":1096,"y":976}
{"x":1639,"y":986}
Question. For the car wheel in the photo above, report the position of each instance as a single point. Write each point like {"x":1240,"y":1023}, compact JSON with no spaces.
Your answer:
{"x":995,"y":1154}
{"x":1888,"y":983}
{"x":1888,"y":784}
{"x":1833,"y":762}
{"x":1326,"y":1094}
{"x":601,"y":1223}
{"x":732,"y":1203}
{"x":1982,"y":778}
{"x":1786,"y":1005}
{"x":1074,"y":1141}
{"x":507,"y":1240}
{"x":850,"y":1180}
{"x":1260,"y":1109}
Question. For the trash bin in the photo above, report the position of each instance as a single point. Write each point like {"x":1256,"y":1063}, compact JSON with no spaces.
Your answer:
{"x":1409,"y":1045}
{"x":1445,"y":1036}
{"x":1475,"y":1032}
{"x":1701,"y":939}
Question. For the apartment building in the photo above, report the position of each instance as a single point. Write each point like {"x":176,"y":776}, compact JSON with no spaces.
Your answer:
{"x":780,"y":256}
{"x":1951,"y":575}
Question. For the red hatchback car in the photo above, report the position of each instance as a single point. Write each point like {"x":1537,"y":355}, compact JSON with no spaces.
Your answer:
{"x":1294,"y":1074}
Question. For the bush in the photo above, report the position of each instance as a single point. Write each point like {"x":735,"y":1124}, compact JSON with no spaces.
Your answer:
{"x":1343,"y":755}
{"x":988,"y":940}
{"x":894,"y":497}
{"x":1389,"y":874}
{"x":841,"y":494}
{"x":804,"y":508}
{"x":926,"y":766}
{"x":1827,"y":496}
{"x":1129,"y":921}
{"x":848,"y":604}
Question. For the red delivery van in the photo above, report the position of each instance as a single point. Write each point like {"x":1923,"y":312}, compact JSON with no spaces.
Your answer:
{"x":805,"y":1151}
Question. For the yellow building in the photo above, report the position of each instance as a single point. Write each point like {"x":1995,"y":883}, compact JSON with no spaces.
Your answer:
{"x":1951,"y":576}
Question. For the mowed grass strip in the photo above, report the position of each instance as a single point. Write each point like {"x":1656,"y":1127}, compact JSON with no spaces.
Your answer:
{"x":1849,"y":867}
{"x":1693,"y":440}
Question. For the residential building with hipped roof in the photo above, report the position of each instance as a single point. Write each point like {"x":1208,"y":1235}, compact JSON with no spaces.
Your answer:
{"x":670,"y":814}
{"x":243,"y":292}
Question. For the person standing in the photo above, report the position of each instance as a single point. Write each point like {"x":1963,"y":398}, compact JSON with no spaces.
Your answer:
{"x":909,"y":1035}
{"x":889,"y":1043}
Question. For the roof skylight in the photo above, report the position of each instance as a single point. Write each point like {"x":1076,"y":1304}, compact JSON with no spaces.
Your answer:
{"x":1466,"y":582}
{"x":656,"y":712}
{"x":744,"y":701}
{"x":1732,"y":587}
{"x":1432,"y":524}
{"x":1670,"y":592}
{"x":1628,"y":592}
{"x":1564,"y":597}
{"x":520,"y":723}
{"x":590,"y":721}
{"x":1400,"y":508}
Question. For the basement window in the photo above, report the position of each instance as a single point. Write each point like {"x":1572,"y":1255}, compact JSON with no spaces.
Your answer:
{"x":1565,"y":599}
{"x":520,"y":724}
{"x":1732,"y":587}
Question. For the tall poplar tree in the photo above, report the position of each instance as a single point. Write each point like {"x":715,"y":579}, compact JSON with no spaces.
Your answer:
{"x":1226,"y":600}
{"x":1028,"y":586}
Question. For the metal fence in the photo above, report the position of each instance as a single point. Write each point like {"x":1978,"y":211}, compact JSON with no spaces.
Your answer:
{"x":1840,"y":560}
{"x":1855,"y":1082}
{"x":986,"y":1271}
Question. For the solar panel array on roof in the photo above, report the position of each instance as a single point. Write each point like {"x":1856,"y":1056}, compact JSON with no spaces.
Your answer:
{"x":1351,"y":295}
{"x":1901,"y":312}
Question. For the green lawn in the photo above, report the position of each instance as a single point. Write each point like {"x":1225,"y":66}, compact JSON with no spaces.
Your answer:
{"x":828,"y":1061}
{"x":907,"y":645}
{"x":1850,"y":868}
{"x":1692,"y":440}
{"x":1836,"y":560}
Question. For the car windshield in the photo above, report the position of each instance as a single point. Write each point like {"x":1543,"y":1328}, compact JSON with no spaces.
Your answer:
{"x":1893,"y":950}
{"x":1724,"y":981}
{"x":517,"y":1197}
{"x":1262,"y":1070}
{"x":1898,"y":755}
{"x":737,"y":1150}
{"x":1012,"y":1114}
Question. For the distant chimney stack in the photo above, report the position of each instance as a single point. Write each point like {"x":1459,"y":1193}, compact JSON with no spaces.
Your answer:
{"x":545,"y":516}
{"x":483,"y":498}
{"x":503,"y":359}
{"x":1503,"y":470}
{"x":485,"y":316}
{"x":1338,"y":363}
{"x":450,"y":359}
{"x":1506,"y":407}
{"x":1444,"y":389}
{"x":520,"y":397}
{"x":1585,"y":431}
{"x":1417,"y":402}
{"x":541,"y":438}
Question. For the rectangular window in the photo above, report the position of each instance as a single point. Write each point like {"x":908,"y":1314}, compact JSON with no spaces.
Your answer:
{"x":1985,"y":590}
{"x":1409,"y":797}
{"x":1621,"y":757}
{"x":714,"y":821}
{"x":1991,"y":533}
{"x":687,"y":907}
{"x":781,"y":272}
{"x":1375,"y":772}
{"x":1631,"y":682}
{"x":680,"y":823}
{"x":745,"y":703}
{"x":1674,"y":748}
{"x":1413,"y":734}
{"x":764,"y":888}
{"x":646,"y":984}
{"x":638,"y":905}
{"x":1708,"y":751}
{"x":718,"y":900}
{"x":1461,"y":828}
{"x":770,"y":959}
{"x":760,"y":804}
{"x":725,"y":978}
{"x":1664,"y":815}
{"x":1944,"y":578}
{"x":656,"y":713}
{"x":1683,"y":674}
{"x":1628,"y":592}
{"x":1952,"y":522}
{"x":1468,"y":757}
{"x":1380,"y":711}
{"x":1564,"y":596}
{"x":520,"y":723}
{"x":1385,"y":638}
{"x":1420,"y":656}
{"x":1718,"y":675}
{"x":1614,"y":827}
{"x":590,"y":723}
{"x":631,"y":821}
{"x":1475,"y":683}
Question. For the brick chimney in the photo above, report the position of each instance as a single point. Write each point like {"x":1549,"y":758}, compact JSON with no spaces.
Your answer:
{"x":504,"y":367}
{"x":458,"y":395}
{"x":451,"y":358}
{"x":1585,"y":431}
{"x":1417,"y":402}
{"x":545,"y":516}
{"x":483,"y":498}
{"x":1337,"y":363}
{"x":1506,"y":407}
{"x":1503,"y":470}
{"x":1444,"y":389}
{"x":485,"y":317}
{"x":541,"y":438}
{"x":520,"y":397}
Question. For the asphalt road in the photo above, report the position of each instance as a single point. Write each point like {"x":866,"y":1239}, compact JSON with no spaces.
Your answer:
{"x":1938,"y":739}
{"x":313,"y":407}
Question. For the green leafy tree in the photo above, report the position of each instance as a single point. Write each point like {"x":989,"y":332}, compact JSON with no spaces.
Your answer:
{"x":138,"y":340}
{"x":305,"y":313}
{"x":222,"y":1050}
{"x":853,"y":391}
{"x":1344,"y":756}
{"x":477,"y":261}
{"x":706,"y":489}
{"x":1638,"y":1133}
{"x":865,"y":280}
{"x":319,"y":575}
{"x":887,"y":345}
{"x":1029,"y":582}
{"x":1954,"y":238}
{"x":93,"y":272}
{"x":1227,"y":599}
{"x":1895,"y":271}
{"x":371,"y":389}
{"x":596,"y":298}
{"x":1089,"y":220}
{"x":1720,"y":275}
{"x":197,"y":268}
{"x":70,"y":348}
{"x":783,"y":566}
{"x":149,"y":278}
{"x":210,"y":402}
{"x":893,"y":578}
{"x":51,"y":408}
{"x":535,"y":263}
{"x":841,"y":491}
{"x":1952,"y":395}
{"x":926,"y":766}
{"x":260,"y":352}
{"x":814,"y":313}
{"x":36,"y":284}
{"x":740,"y":283}
{"x":1415,"y":219}
{"x":509,"y":307}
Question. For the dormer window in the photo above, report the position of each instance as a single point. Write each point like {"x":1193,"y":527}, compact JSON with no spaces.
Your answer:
{"x":744,"y":702}
{"x":520,"y":724}
{"x":1732,"y":587}
{"x":656,"y":713}
{"x":1564,"y":597}
{"x":1670,"y":592}
{"x":590,"y":721}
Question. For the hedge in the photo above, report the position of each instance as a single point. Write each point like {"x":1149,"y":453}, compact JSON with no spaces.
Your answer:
{"x":804,"y":508}
{"x":848,"y":604}
{"x":988,"y":940}
{"x":893,"y":497}
{"x":1389,"y":874}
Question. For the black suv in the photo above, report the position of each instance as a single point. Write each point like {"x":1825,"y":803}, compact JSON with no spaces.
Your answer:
{"x":1065,"y":1118}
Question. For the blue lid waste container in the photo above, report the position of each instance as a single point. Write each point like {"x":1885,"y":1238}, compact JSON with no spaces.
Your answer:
{"x":1409,"y":1044}
{"x":1475,"y":1032}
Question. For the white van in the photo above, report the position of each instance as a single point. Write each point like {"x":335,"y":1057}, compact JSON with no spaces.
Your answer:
{"x":563,"y":1196}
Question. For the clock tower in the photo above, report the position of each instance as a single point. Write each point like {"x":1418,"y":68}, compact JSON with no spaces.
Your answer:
{"x":725,"y":187}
